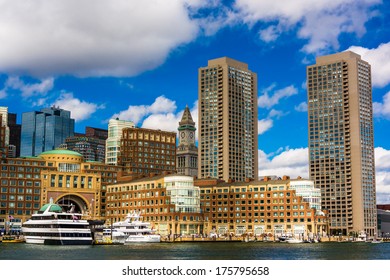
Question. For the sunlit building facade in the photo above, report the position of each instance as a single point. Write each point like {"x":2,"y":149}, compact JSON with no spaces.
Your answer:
{"x":169,"y":202}
{"x":227,"y":142}
{"x":341,"y":142}
{"x":113,"y":142}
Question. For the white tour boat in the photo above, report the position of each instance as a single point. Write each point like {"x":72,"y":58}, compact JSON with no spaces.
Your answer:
{"x":51,"y":225}
{"x":135,"y":229}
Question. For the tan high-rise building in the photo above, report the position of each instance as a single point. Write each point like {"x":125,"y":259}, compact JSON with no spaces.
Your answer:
{"x":341,"y":141}
{"x":227,"y":144}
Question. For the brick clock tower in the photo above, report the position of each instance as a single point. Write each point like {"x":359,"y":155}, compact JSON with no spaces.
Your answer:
{"x":187,"y":152}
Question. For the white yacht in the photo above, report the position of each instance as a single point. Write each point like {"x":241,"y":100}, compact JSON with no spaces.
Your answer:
{"x":51,"y":225}
{"x":114,"y":236}
{"x":135,"y":229}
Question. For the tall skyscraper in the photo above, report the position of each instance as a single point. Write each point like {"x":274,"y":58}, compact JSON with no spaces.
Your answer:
{"x":187,"y":152}
{"x":113,"y":142}
{"x":341,"y":141}
{"x":227,"y":141}
{"x":45,"y":130}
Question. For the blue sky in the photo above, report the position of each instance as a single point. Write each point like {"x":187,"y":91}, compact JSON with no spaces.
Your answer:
{"x":139,"y":60}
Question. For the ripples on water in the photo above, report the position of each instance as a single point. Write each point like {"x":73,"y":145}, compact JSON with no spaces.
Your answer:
{"x":199,"y":251}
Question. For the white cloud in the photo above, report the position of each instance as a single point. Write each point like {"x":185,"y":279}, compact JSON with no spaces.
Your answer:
{"x":136,"y":113}
{"x":382,"y":166}
{"x":379,"y":59}
{"x":301,"y":107}
{"x":382,"y":109}
{"x":382,"y":159}
{"x":269,"y":34}
{"x":290,"y":162}
{"x":276,"y":113}
{"x":267,"y":101}
{"x":320,"y":22}
{"x":80,"y":110}
{"x":169,"y":121}
{"x":166,"y":122}
{"x":3,"y":94}
{"x":114,"y":38}
{"x":29,"y":89}
{"x":294,"y":163}
{"x":264,"y":125}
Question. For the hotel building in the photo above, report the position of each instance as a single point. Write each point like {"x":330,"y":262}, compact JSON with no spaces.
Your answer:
{"x":227,"y":141}
{"x":169,"y":202}
{"x":28,"y":183}
{"x":341,"y":142}
{"x":258,"y":207}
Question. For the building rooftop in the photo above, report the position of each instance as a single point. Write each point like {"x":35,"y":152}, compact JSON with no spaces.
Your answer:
{"x":61,"y":152}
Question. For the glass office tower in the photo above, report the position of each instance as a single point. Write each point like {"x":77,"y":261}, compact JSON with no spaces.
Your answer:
{"x":45,"y":130}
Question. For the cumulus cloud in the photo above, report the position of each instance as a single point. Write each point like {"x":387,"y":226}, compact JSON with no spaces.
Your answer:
{"x":294,"y":163}
{"x":28,"y":90}
{"x":169,"y":121}
{"x":81,"y":110}
{"x":264,"y":125}
{"x":114,"y":38}
{"x":290,"y":162}
{"x":301,"y":107}
{"x":136,"y":113}
{"x":319,"y":22}
{"x":382,"y":110}
{"x":267,"y":100}
{"x":379,"y":58}
{"x":382,"y":166}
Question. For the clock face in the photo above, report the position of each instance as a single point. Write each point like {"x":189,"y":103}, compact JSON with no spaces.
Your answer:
{"x":191,"y":135}
{"x":183,"y":134}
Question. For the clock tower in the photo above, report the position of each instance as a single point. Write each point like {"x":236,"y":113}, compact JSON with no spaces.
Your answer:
{"x":187,"y":152}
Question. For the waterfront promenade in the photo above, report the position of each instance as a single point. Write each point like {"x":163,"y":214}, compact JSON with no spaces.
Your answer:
{"x":251,"y":239}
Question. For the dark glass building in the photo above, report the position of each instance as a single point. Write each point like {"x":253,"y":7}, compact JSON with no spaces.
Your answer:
{"x":45,"y":130}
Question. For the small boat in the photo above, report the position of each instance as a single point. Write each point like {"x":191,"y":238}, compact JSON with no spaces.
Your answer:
{"x":283,"y":237}
{"x":377,"y":241}
{"x":294,"y":240}
{"x":136,"y":230}
{"x":12,"y":239}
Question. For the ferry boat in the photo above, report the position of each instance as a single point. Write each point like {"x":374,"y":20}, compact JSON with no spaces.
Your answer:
{"x":136,"y":230}
{"x":52,"y":226}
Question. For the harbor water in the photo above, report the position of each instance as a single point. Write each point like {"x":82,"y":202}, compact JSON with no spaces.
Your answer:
{"x":200,"y":251}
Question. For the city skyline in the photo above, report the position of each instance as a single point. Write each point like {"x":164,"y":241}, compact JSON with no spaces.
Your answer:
{"x":148,"y":74}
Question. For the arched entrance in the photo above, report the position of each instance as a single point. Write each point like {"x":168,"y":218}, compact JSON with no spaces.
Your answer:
{"x":67,"y":201}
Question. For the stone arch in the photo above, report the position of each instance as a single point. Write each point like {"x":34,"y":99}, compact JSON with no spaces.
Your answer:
{"x":67,"y":200}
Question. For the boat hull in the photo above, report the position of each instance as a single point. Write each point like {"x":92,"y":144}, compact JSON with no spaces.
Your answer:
{"x":143,"y":239}
{"x":59,"y":241}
